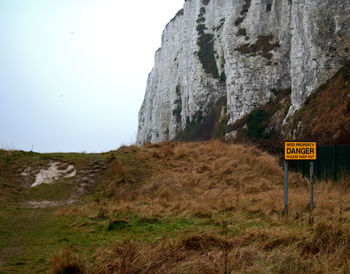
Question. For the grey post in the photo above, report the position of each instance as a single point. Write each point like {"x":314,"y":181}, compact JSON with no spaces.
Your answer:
{"x":311,"y":185}
{"x":285,"y":187}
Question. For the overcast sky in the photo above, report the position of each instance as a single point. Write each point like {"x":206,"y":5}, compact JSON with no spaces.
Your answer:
{"x":73,"y":72}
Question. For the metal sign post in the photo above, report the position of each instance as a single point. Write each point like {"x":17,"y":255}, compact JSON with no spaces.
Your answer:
{"x":285,"y":211}
{"x":311,"y":185}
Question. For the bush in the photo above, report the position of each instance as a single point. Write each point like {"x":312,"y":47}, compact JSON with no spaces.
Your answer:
{"x":124,"y":257}
{"x":201,"y":28}
{"x":221,"y":128}
{"x":177,"y":113}
{"x":65,"y":262}
{"x":241,"y":32}
{"x":206,"y":53}
{"x":193,"y":130}
{"x":239,"y":21}
{"x":205,"y":127}
{"x":223,"y":77}
{"x":245,"y":7}
{"x":178,"y":104}
{"x":255,"y":123}
{"x":268,"y":7}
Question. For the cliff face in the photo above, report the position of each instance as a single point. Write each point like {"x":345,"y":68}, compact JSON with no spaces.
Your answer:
{"x":244,"y":50}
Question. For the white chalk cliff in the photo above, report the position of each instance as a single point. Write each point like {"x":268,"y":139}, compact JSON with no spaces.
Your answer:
{"x":247,"y":50}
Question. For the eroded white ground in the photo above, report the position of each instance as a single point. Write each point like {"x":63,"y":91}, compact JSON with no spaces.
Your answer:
{"x":52,"y":174}
{"x":48,"y":203}
{"x":57,"y":172}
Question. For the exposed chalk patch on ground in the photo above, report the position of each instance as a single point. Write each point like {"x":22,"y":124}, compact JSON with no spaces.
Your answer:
{"x":26,"y":172}
{"x":52,"y":174}
{"x":47,"y":203}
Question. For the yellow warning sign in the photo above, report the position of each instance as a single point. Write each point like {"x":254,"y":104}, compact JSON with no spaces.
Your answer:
{"x":300,"y":150}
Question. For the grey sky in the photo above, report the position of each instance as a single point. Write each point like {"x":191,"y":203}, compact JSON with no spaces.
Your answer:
{"x":73,"y":72}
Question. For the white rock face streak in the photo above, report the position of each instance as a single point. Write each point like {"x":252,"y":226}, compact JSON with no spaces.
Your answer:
{"x":251,"y":49}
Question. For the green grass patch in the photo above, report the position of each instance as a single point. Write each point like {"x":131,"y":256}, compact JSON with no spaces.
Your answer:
{"x":55,"y":191}
{"x":28,"y":237}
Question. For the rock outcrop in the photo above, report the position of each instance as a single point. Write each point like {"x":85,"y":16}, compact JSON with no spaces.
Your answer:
{"x":244,"y":50}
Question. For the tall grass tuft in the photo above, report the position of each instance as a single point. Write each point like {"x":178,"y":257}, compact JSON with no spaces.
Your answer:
{"x":64,"y":262}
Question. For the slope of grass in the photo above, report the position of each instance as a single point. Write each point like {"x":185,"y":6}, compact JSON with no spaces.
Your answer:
{"x":202,"y":207}
{"x":325,"y":116}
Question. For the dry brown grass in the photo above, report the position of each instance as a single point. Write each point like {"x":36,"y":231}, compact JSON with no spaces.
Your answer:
{"x":222,"y":184}
{"x":325,"y":116}
{"x":166,"y":256}
{"x":64,"y":261}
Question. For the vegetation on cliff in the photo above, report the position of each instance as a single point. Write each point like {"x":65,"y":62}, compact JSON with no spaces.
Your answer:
{"x":325,"y":115}
{"x":207,"y":126}
{"x":205,"y":42}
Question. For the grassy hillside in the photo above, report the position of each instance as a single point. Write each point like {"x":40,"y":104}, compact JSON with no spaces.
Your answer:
{"x":325,"y":116}
{"x":168,"y":208}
